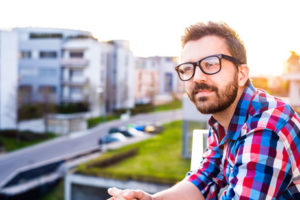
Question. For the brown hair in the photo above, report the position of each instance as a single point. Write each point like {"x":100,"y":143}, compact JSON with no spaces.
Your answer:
{"x":234,"y":43}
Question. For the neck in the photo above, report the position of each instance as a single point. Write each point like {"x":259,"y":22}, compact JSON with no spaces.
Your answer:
{"x":224,"y":117}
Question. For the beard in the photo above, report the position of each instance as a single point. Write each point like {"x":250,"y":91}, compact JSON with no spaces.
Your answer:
{"x":224,"y":97}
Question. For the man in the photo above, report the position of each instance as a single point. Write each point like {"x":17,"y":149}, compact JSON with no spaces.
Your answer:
{"x":254,"y":139}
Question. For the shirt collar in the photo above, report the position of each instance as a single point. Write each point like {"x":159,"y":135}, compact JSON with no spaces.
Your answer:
{"x":240,"y":114}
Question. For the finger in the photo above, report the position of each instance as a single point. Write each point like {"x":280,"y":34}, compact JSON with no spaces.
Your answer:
{"x":114,"y":191}
{"x":134,"y":194}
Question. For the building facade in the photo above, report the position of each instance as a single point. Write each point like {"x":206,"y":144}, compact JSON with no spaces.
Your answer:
{"x":120,"y":76}
{"x":83,"y":69}
{"x":8,"y":79}
{"x":62,"y":66}
{"x":156,"y":79}
{"x":39,"y":63}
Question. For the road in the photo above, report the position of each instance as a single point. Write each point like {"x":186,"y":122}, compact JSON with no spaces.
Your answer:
{"x":65,"y":147}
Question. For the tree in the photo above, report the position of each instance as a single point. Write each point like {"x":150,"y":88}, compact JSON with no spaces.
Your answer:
{"x":292,"y":63}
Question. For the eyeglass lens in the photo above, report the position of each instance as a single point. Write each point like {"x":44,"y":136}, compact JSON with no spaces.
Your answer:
{"x":208,"y":65}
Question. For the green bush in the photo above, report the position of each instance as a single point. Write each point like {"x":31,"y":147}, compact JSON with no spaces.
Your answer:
{"x":142,"y":108}
{"x":115,"y":158}
{"x":37,"y":110}
{"x":176,"y":104}
{"x":24,"y":135}
{"x":72,"y":108}
{"x":12,"y":139}
{"x":97,"y":120}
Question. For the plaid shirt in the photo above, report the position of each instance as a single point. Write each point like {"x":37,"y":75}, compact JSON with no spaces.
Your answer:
{"x":259,"y":155}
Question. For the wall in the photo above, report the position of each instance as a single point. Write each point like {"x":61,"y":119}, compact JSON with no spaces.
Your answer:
{"x":8,"y":79}
{"x":78,"y":187}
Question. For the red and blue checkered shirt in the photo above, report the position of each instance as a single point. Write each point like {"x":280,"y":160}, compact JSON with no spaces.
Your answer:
{"x":259,"y":155}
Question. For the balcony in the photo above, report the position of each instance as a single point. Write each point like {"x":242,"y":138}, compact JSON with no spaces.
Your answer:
{"x":75,"y":81}
{"x":73,"y":99}
{"x":76,"y":63}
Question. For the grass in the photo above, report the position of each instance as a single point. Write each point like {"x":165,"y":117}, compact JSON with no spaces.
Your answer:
{"x":11,"y":144}
{"x":57,"y":193}
{"x":158,"y":159}
{"x":97,"y":120}
{"x":176,"y":104}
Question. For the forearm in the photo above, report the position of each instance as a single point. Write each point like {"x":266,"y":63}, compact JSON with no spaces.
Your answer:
{"x":182,"y":190}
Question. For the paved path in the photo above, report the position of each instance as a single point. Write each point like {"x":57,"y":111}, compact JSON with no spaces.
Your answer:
{"x":71,"y":145}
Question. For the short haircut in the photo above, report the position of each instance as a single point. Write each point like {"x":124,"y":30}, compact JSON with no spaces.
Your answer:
{"x":234,"y":43}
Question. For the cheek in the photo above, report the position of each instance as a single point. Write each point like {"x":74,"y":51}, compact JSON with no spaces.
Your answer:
{"x":188,"y":86}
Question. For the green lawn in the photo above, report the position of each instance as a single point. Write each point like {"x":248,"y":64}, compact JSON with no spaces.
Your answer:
{"x":158,"y":159}
{"x":12,"y":143}
{"x":97,"y":120}
{"x":57,"y":193}
{"x":176,"y":104}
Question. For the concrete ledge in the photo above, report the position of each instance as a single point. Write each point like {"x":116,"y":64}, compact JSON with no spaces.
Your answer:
{"x":104,"y":183}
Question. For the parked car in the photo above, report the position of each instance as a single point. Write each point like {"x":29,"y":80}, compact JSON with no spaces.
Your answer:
{"x":123,"y":133}
{"x":134,"y":132}
{"x":149,"y":128}
{"x":121,"y":130}
{"x":113,"y":137}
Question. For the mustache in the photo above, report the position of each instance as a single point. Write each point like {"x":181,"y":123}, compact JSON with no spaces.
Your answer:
{"x":203,"y":86}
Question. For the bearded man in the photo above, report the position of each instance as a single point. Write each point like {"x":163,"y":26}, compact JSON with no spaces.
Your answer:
{"x":254,"y":139}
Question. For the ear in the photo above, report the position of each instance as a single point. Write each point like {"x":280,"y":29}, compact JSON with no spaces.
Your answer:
{"x":243,"y":74}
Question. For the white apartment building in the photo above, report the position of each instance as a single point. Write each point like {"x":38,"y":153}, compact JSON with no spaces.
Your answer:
{"x":160,"y":79}
{"x":84,"y":73}
{"x":120,"y":76}
{"x":62,"y":66}
{"x":73,"y":66}
{"x":39,"y":64}
{"x":8,"y":79}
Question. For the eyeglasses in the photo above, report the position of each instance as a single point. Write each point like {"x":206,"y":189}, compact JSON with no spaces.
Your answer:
{"x":209,"y":65}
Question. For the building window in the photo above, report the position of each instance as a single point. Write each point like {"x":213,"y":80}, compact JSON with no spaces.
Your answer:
{"x":126,"y":60}
{"x":47,"y":93}
{"x":75,"y":90}
{"x":25,"y":94}
{"x":76,"y":73}
{"x":45,"y":36}
{"x":103,"y":58}
{"x":48,"y":54}
{"x":47,"y":89}
{"x":168,"y":82}
{"x":28,"y":71}
{"x":76,"y":54}
{"x":25,"y":54}
{"x":46,"y":72}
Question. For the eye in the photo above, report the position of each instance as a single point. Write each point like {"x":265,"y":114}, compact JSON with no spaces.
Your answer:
{"x":186,"y":68}
{"x":210,"y":64}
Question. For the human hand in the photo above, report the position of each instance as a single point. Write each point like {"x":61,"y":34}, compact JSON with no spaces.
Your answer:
{"x":118,"y":194}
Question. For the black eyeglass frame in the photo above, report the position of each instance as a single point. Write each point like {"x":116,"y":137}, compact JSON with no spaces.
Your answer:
{"x":198,"y":63}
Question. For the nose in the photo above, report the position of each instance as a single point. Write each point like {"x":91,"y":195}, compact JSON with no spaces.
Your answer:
{"x":199,"y":76}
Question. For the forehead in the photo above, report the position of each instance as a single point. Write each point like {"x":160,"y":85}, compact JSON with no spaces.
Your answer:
{"x":206,"y":46}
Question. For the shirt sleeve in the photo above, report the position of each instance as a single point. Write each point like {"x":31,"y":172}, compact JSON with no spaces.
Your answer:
{"x":262,"y":168}
{"x":209,"y":177}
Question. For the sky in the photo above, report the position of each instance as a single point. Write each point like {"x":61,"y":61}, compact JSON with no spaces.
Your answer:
{"x":270,"y":29}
